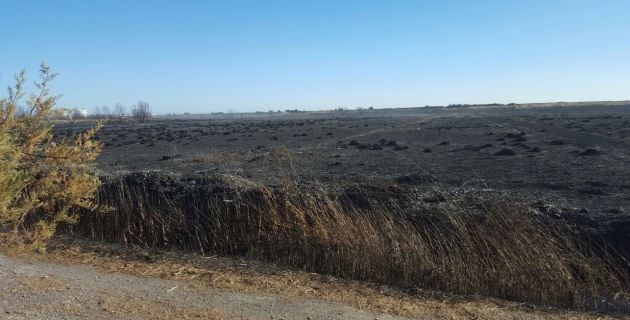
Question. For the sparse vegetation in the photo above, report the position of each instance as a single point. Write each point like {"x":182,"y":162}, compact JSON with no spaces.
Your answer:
{"x":101,"y":113}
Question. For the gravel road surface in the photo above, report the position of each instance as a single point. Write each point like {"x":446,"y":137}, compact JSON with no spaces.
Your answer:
{"x":40,"y":290}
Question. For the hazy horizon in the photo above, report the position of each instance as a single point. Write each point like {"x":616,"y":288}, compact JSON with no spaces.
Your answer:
{"x":203,"y":57}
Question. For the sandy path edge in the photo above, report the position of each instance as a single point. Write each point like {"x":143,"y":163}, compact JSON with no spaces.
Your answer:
{"x":41,"y":290}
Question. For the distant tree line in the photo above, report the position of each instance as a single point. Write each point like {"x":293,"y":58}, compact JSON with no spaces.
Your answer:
{"x":459,"y":105}
{"x":140,"y":111}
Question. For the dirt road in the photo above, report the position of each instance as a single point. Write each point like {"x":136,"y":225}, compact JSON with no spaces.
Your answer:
{"x":81,"y":283}
{"x":40,"y":290}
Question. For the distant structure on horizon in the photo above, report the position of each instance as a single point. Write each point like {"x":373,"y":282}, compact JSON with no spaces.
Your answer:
{"x":70,"y":113}
{"x":79,"y":113}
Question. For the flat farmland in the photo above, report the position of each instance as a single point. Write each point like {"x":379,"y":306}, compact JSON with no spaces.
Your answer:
{"x":574,"y":158}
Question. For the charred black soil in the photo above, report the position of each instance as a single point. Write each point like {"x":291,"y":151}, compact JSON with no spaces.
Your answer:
{"x":574,"y":158}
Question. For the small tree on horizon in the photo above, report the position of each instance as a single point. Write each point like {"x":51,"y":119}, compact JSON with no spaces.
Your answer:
{"x":106,"y":113}
{"x":119,"y":112}
{"x":98,"y":113}
{"x":141,"y":111}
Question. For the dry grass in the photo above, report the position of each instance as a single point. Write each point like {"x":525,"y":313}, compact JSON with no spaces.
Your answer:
{"x":502,"y":250}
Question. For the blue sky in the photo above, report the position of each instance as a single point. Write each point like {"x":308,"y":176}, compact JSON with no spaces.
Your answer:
{"x":208,"y":56}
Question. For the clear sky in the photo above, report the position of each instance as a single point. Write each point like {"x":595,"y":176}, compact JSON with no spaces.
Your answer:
{"x":208,"y":56}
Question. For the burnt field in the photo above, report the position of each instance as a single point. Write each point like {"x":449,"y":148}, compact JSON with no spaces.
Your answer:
{"x":570,"y":158}
{"x":526,"y":203}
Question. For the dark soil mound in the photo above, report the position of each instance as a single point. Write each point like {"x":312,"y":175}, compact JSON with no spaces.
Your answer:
{"x":589,"y":152}
{"x":415,"y":179}
{"x":504,"y":152}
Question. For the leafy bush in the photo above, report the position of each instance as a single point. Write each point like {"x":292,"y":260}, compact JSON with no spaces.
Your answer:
{"x":42,"y":181}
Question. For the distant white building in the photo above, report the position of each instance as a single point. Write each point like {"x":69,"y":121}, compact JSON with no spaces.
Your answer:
{"x":76,"y":113}
{"x":82,"y":112}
